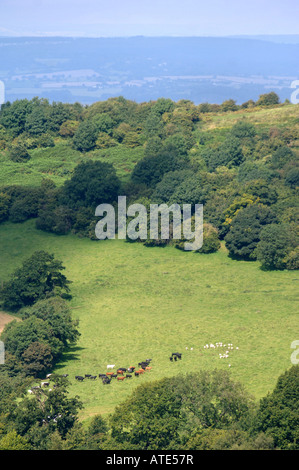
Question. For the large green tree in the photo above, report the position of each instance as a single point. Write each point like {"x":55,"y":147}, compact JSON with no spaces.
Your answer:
{"x":39,"y":276}
{"x":244,"y":233}
{"x":278,"y":413}
{"x":92,"y":183}
{"x":163,"y":414}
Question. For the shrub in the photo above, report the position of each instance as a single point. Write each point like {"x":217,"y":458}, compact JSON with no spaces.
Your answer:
{"x":18,"y":153}
{"x":39,"y":276}
{"x":276,"y":243}
{"x":244,"y":233}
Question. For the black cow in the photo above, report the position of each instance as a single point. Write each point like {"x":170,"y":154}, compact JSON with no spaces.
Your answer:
{"x":143,"y":364}
{"x":93,"y":377}
{"x":177,"y":355}
{"x":106,"y":380}
{"x":79,"y":377}
{"x":128,"y":376}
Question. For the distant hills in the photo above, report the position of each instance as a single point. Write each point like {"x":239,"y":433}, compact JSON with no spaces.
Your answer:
{"x":201,"y":69}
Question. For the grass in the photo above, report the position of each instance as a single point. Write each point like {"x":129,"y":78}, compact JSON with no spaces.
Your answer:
{"x":135,"y":302}
{"x":57,"y":163}
{"x":263,"y":118}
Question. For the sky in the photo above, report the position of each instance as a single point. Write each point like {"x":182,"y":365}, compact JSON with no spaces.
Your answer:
{"x":118,"y":18}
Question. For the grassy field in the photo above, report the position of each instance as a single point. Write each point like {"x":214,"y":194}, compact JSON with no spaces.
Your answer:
{"x":135,"y":302}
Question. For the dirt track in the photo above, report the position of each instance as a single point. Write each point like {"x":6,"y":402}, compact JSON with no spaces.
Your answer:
{"x":4,"y":319}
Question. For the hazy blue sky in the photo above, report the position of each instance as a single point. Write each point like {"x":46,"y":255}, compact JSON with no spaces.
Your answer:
{"x":148,"y":17}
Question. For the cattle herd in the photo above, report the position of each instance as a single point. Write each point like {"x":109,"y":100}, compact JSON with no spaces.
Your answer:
{"x":119,"y":373}
{"x":122,"y":373}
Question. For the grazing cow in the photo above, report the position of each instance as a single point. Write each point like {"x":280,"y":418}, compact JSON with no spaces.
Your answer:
{"x":102,"y":375}
{"x":79,"y":377}
{"x":177,"y":355}
{"x":141,"y":371}
{"x":171,"y":358}
{"x":113,"y":375}
{"x":136,"y":374}
{"x":120,"y":371}
{"x":110,"y":366}
{"x":106,"y":380}
{"x":128,"y":376}
{"x":109,"y":373}
{"x":87,"y":376}
{"x":121,"y":378}
{"x":148,"y":368}
{"x":143,"y":365}
{"x":93,"y":377}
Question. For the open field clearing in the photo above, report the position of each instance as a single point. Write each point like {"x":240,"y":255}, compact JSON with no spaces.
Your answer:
{"x":135,"y":303}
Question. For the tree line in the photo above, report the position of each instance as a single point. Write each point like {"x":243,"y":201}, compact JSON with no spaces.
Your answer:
{"x":246,"y":176}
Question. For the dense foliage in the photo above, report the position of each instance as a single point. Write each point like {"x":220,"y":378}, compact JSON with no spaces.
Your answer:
{"x":245,"y":175}
{"x":39,"y":277}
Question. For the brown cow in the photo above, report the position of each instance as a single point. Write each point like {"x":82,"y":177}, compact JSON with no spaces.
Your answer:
{"x":121,"y":378}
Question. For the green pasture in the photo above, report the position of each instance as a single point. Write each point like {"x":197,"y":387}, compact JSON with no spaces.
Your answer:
{"x":134,"y":303}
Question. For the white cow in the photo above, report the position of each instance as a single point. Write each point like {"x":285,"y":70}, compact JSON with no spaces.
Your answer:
{"x":110,"y":366}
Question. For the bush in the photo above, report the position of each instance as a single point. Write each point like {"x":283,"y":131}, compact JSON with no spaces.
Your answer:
{"x":85,"y":136}
{"x":277,"y":415}
{"x":276,"y":243}
{"x":92,"y":183}
{"x":281,"y":157}
{"x":292,"y":178}
{"x":150,"y":170}
{"x":18,"y":153}
{"x":244,"y":233}
{"x":211,"y":242}
{"x":268,"y":99}
{"x":39,"y":276}
{"x":243,"y":129}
